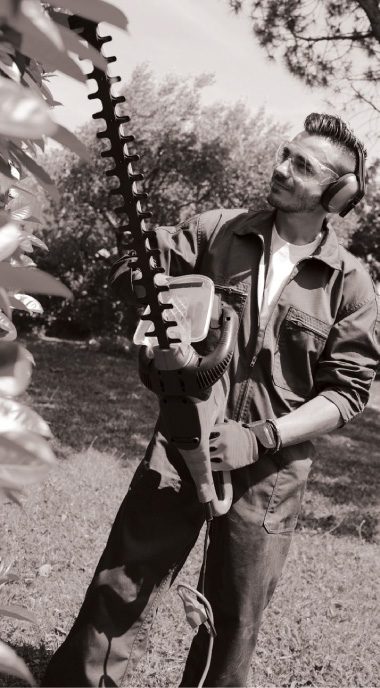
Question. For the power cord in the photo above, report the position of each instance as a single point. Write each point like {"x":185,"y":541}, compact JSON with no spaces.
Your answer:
{"x":198,"y":610}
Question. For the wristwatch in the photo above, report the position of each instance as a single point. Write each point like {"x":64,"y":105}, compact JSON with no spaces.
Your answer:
{"x":267,"y":434}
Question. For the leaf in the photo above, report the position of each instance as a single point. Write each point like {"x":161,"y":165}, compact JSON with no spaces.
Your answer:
{"x":4,"y":218}
{"x":23,"y":114}
{"x":68,"y":139}
{"x":29,"y":356}
{"x":16,"y":303}
{"x":36,"y":241}
{"x":26,"y":244}
{"x":17,"y":612}
{"x":25,"y":458}
{"x":97,"y":10}
{"x":15,"y":368}
{"x":7,"y":327}
{"x":34,"y":69}
{"x":16,"y":416}
{"x":75,"y":45}
{"x":27,"y":280}
{"x":24,"y":204}
{"x":5,"y":304}
{"x":21,"y":214}
{"x":36,"y":170}
{"x":41,"y":40}
{"x":11,"y":663}
{"x":5,"y":168}
{"x":10,"y":238}
{"x":50,"y":101}
{"x":20,"y":260}
{"x":28,"y":81}
{"x":26,"y":302}
{"x":10,"y":70}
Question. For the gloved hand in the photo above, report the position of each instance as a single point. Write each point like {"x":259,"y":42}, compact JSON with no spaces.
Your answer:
{"x":234,"y":445}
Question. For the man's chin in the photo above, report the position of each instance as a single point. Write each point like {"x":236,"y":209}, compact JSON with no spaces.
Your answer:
{"x":275,"y":202}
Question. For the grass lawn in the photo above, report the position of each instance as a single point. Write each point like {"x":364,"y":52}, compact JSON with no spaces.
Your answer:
{"x":322,"y":627}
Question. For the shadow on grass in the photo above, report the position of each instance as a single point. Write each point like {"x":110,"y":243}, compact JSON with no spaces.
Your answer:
{"x":344,"y":477}
{"x":36,"y":658}
{"x":91,"y":398}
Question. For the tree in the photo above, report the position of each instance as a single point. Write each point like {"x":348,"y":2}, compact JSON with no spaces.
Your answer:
{"x":365,"y":241}
{"x":331,"y":43}
{"x":194,"y":157}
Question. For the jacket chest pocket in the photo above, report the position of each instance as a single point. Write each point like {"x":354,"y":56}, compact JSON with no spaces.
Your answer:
{"x":300,"y":343}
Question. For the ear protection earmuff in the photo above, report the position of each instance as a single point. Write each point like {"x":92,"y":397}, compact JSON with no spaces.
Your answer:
{"x":344,"y":194}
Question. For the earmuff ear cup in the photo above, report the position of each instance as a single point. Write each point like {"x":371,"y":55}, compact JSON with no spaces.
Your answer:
{"x":338,"y":195}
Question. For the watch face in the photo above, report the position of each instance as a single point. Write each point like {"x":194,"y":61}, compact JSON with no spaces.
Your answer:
{"x":269,"y":436}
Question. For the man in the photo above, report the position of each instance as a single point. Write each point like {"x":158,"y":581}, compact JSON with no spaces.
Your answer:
{"x":303,"y":364}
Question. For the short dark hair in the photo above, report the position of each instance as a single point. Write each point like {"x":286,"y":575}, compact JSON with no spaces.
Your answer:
{"x":334,"y":129}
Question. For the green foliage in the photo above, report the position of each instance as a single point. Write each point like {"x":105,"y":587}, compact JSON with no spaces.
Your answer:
{"x":34,"y":38}
{"x":194,"y":157}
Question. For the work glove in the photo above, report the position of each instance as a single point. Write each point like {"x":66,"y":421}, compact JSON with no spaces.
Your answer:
{"x":234,"y":445}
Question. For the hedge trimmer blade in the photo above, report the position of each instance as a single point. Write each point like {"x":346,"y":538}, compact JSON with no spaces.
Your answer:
{"x":131,"y":213}
{"x":189,"y":386}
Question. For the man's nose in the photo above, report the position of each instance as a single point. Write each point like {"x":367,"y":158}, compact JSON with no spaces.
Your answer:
{"x":284,"y":167}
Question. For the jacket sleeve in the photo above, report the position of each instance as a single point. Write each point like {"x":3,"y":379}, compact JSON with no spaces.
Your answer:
{"x":180,"y":248}
{"x":348,"y":365}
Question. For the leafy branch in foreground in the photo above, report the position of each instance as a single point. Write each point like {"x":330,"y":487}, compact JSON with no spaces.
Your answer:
{"x":34,"y":41}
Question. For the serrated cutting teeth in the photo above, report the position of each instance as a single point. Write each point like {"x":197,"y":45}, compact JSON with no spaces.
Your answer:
{"x":132,"y":215}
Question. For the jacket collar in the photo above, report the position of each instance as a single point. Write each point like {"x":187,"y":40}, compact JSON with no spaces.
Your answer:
{"x":261,"y":223}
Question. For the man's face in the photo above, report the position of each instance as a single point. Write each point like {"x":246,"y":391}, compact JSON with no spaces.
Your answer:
{"x":304,"y":168}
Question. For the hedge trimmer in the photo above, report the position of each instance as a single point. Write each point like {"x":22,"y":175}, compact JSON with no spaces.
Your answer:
{"x":188,"y":385}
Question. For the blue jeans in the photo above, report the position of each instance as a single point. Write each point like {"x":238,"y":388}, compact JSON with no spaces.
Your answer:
{"x":156,"y":527}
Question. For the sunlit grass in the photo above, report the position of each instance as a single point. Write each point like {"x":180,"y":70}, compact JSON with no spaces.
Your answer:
{"x":320,"y":629}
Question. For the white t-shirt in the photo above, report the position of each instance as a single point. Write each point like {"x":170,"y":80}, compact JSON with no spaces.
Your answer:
{"x":283,"y":259}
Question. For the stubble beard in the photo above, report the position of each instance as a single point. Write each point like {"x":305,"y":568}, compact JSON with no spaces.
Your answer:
{"x":298,"y":204}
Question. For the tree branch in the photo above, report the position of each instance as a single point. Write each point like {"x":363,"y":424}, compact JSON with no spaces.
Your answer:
{"x":364,"y":99}
{"x":335,"y":37}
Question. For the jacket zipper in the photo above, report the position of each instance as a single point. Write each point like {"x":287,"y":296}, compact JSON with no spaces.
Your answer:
{"x":308,"y":327}
{"x":244,"y":394}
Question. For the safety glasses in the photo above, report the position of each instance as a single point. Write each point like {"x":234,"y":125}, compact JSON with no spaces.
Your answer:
{"x":304,"y":165}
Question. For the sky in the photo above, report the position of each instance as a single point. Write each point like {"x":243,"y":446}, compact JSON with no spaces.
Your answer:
{"x":191,"y":37}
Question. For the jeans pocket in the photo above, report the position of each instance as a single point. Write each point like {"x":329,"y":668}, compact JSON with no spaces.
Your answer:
{"x":285,"y":503}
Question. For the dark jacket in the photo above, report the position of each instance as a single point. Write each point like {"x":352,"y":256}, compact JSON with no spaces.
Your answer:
{"x":320,"y":338}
